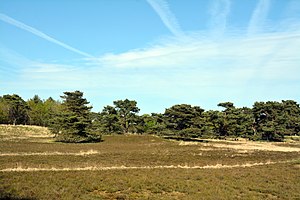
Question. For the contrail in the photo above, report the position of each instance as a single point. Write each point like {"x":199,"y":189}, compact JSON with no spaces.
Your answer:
{"x":36,"y":32}
{"x":161,"y":7}
{"x":258,"y":17}
{"x":219,"y":12}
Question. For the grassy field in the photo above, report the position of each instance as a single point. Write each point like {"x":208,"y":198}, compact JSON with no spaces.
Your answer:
{"x":32,"y":166}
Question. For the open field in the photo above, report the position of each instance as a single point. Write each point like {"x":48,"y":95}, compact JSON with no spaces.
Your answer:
{"x":32,"y":166}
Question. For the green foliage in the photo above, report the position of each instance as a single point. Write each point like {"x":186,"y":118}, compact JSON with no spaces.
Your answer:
{"x":126,"y":111}
{"x":234,"y":122}
{"x":72,"y":120}
{"x":191,"y":133}
{"x":292,"y":115}
{"x":150,"y":124}
{"x":108,"y":120}
{"x":227,"y":105}
{"x":183,"y":116}
{"x":41,"y":112}
{"x":36,"y":112}
{"x":14,"y":109}
{"x":274,"y":120}
{"x":120,"y":118}
{"x":4,"y":111}
{"x":73,"y":123}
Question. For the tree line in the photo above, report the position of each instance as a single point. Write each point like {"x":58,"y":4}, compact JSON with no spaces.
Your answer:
{"x":72,"y":120}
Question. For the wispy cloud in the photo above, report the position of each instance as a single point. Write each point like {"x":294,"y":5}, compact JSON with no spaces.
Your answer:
{"x":207,"y":54}
{"x":40,"y":34}
{"x":258,"y":17}
{"x":189,"y":71}
{"x":10,"y":61}
{"x":163,"y":10}
{"x":235,"y":68}
{"x":219,"y":12}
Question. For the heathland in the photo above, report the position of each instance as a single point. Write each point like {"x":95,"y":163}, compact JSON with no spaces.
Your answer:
{"x":131,"y":166}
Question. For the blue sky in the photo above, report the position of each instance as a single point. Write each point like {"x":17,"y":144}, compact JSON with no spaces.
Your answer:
{"x":157,"y":52}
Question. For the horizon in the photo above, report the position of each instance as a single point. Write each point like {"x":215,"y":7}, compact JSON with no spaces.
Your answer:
{"x":156,"y":52}
{"x":218,"y":108}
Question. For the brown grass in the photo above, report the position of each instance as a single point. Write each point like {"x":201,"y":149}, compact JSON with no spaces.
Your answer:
{"x":145,"y":167}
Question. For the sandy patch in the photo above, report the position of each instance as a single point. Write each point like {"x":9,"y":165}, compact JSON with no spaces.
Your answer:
{"x":207,"y":149}
{"x":297,"y":166}
{"x":243,"y":146}
{"x":251,"y":146}
{"x":122,"y":167}
{"x":183,"y":143}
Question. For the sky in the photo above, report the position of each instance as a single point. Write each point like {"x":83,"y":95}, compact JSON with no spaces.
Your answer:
{"x":157,"y":52}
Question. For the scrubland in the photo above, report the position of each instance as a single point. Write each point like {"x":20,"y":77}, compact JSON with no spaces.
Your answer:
{"x":33,"y":166}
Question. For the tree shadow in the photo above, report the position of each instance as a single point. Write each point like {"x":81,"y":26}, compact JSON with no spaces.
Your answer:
{"x":10,"y":196}
{"x":186,"y":139}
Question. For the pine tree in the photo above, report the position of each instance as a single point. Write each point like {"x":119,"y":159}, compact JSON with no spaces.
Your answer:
{"x":74,"y":122}
{"x":17,"y":109}
{"x":126,"y":110}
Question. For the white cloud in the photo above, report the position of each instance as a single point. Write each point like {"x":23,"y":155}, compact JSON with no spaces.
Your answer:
{"x":40,"y":34}
{"x":200,"y":69}
{"x":208,"y":56}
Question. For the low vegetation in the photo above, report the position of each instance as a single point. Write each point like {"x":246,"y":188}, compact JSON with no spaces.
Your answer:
{"x":33,"y":166}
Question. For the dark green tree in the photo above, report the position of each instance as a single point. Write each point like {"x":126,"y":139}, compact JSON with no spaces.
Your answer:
{"x":109,"y":120}
{"x":291,"y":112}
{"x":244,"y":122}
{"x":234,"y":122}
{"x":270,"y":121}
{"x":74,"y":121}
{"x":126,"y":110}
{"x":4,"y":111}
{"x":182,"y":116}
{"x":213,"y":123}
{"x":150,"y":124}
{"x":185,"y":119}
{"x":17,"y":109}
{"x":226,"y":105}
{"x":226,"y":119}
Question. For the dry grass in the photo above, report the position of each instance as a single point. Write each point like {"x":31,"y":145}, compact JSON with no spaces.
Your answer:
{"x":24,"y":132}
{"x":144,"y":167}
{"x":217,"y":166}
{"x":254,"y":146}
{"x":54,"y":153}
